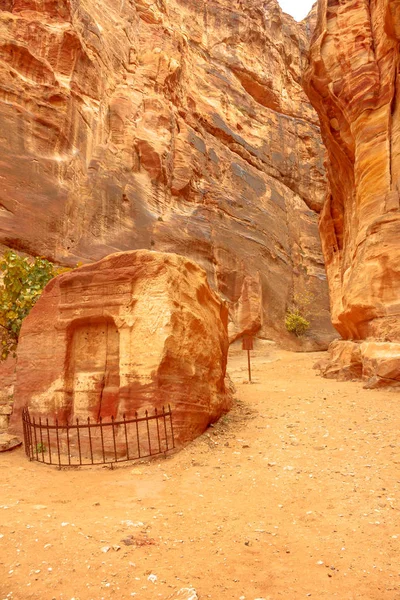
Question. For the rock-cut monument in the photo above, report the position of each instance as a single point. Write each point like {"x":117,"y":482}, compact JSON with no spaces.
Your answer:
{"x":133,"y":332}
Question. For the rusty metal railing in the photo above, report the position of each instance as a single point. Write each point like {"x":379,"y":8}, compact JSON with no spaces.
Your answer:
{"x":97,"y":443}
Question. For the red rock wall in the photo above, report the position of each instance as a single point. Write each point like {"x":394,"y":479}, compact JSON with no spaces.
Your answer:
{"x":176,"y":125}
{"x":353,"y":84}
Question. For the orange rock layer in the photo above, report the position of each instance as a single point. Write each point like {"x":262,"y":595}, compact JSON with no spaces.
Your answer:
{"x":177,"y":126}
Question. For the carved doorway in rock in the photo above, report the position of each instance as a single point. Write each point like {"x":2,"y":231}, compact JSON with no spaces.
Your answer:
{"x":93,"y":369}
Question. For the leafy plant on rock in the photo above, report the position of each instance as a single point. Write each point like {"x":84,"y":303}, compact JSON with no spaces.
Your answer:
{"x":296,"y":319}
{"x":23,"y":280}
{"x":296,"y":323}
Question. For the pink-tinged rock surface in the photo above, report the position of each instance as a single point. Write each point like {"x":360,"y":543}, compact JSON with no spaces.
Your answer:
{"x":180,"y":126}
{"x":133,"y":332}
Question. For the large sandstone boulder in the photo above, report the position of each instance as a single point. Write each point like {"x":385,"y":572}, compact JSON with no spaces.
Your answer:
{"x":176,"y":125}
{"x":133,"y":332}
{"x":353,"y":84}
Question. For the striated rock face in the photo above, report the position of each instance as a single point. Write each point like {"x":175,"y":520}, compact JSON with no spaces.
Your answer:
{"x":133,"y":332}
{"x":353,"y":84}
{"x":175,"y":125}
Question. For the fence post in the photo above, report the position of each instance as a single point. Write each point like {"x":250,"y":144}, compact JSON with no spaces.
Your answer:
{"x":79,"y":441}
{"x":172,"y":427}
{"x":102,"y":439}
{"x":41,"y":438}
{"x":137,"y":433}
{"x":58,"y":444}
{"x":113,"y":432}
{"x":126,"y":438}
{"x":48,"y":439}
{"x":90,"y":440}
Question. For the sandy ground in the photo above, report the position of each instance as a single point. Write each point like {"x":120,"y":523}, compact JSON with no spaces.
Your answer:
{"x":294,"y":494}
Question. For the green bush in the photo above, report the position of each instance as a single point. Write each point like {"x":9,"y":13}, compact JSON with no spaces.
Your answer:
{"x":296,"y":323}
{"x":41,"y":447}
{"x":23,"y":280}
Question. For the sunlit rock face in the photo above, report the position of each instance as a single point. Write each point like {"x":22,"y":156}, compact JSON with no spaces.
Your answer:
{"x":352,"y":82}
{"x":170,"y":125}
{"x":136,"y":331}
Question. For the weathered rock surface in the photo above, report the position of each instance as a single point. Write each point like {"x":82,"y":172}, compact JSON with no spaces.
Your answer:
{"x":353,"y":84}
{"x":5,"y":413}
{"x":7,"y":380}
{"x":8,"y":442}
{"x":175,"y":125}
{"x":377,"y":363}
{"x":133,"y":332}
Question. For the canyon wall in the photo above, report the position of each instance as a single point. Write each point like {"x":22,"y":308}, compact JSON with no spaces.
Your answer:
{"x":353,"y":84}
{"x":173,"y":125}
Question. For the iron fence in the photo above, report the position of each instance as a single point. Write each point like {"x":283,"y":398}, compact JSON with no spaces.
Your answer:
{"x":98,"y":442}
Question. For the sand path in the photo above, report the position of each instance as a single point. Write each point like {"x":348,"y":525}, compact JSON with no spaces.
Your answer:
{"x":294,"y":494}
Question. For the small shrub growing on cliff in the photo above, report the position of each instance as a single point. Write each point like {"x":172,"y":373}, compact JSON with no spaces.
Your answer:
{"x":23,"y":280}
{"x":296,"y":323}
{"x":296,"y":319}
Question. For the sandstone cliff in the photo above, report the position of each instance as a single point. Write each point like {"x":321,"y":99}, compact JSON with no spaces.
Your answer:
{"x":174,"y":125}
{"x":353,"y":83}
